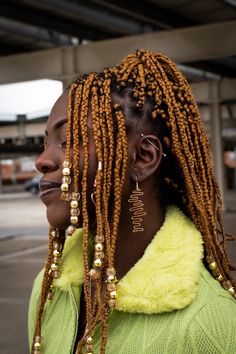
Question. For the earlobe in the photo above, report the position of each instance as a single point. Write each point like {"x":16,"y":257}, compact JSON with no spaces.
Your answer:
{"x":147,"y":156}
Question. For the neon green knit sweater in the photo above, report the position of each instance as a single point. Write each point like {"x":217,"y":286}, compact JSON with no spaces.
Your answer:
{"x":168,"y":302}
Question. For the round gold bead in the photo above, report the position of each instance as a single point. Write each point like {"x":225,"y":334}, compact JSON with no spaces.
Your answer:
{"x":231,"y":290}
{"x":220,"y":278}
{"x":98,"y":263}
{"x":66,"y":179}
{"x":56,"y":274}
{"x":66,"y":163}
{"x":56,"y":260}
{"x":98,"y":246}
{"x":212,"y":265}
{"x":75,"y":196}
{"x":74,"y":204}
{"x":111,"y":271}
{"x":66,"y":171}
{"x":99,"y":238}
{"x":89,"y":340}
{"x":112,"y":303}
{"x":54,"y":267}
{"x":70,"y":230}
{"x":74,"y":219}
{"x":37,"y":345}
{"x":74,"y":212}
{"x":111,"y":278}
{"x":99,"y":254}
{"x":111,"y":287}
{"x":65,"y":196}
{"x":94,"y":274}
{"x":56,"y":253}
{"x":64,"y":187}
{"x":57,"y":246}
{"x":54,"y":233}
{"x":113,"y":294}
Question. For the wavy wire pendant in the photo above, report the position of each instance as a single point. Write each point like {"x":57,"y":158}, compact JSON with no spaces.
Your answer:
{"x":137,"y":209}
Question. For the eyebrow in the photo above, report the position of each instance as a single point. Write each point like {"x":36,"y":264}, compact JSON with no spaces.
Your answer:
{"x":58,"y":124}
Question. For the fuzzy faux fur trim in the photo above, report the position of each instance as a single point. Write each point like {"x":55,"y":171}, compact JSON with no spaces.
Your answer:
{"x":164,"y":279}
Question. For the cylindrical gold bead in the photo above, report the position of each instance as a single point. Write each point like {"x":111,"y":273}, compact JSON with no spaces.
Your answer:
{"x":110,"y":278}
{"x":37,"y":345}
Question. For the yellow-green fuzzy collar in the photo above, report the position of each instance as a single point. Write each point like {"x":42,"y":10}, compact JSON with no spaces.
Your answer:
{"x":164,"y":279}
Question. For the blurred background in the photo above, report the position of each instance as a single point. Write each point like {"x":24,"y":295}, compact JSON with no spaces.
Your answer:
{"x":46,"y":44}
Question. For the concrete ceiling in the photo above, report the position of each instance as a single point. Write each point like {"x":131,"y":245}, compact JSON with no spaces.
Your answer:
{"x":32,"y":25}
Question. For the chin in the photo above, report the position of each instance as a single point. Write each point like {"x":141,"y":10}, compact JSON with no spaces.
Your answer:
{"x":58,"y":217}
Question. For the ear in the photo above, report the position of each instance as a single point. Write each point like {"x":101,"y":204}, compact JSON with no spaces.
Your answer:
{"x":146,"y":157}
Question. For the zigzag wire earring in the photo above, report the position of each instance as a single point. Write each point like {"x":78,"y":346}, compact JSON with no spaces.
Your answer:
{"x":137,"y":208}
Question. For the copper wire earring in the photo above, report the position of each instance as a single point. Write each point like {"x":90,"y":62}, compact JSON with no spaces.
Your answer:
{"x":137,"y":208}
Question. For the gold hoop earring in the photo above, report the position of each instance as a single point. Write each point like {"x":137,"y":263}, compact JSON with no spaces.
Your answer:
{"x":137,"y":209}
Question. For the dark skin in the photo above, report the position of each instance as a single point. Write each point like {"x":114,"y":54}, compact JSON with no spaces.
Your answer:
{"x":143,"y":162}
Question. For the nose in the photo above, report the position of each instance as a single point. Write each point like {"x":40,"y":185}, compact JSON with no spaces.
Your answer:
{"x":46,"y":162}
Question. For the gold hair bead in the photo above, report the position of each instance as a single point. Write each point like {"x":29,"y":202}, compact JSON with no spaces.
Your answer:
{"x":98,"y":263}
{"x":74,"y":204}
{"x":66,"y":163}
{"x":113,"y":294}
{"x":212,"y":265}
{"x":66,"y":179}
{"x":94,"y":274}
{"x":74,"y":212}
{"x":54,"y":267}
{"x":98,"y":246}
{"x":64,"y":187}
{"x":89,"y":340}
{"x":231,"y":290}
{"x":74,"y":219}
{"x":70,"y":230}
{"x":66,"y":171}
{"x":56,"y":253}
{"x":220,"y":278}
{"x":112,"y":303}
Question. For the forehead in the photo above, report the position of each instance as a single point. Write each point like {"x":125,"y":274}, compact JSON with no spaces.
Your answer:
{"x":59,"y":110}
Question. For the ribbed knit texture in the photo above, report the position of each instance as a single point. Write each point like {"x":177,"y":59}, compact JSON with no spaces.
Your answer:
{"x":201,"y":316}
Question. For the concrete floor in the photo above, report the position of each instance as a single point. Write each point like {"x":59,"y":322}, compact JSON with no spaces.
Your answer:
{"x":23,"y":248}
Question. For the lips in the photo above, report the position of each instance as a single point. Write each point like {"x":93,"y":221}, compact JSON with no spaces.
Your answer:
{"x":48,"y":187}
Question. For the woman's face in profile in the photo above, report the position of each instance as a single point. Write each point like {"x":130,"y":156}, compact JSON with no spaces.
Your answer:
{"x":49,"y":163}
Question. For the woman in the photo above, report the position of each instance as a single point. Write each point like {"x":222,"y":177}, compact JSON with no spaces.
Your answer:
{"x":127,"y":171}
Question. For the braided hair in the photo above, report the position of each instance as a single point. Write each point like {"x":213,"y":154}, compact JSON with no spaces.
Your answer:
{"x":146,"y":88}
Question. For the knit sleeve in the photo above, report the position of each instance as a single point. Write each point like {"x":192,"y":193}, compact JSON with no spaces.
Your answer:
{"x":213,"y":329}
{"x":33,"y":304}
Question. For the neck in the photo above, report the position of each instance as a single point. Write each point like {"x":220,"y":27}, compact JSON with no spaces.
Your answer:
{"x":131,"y":245}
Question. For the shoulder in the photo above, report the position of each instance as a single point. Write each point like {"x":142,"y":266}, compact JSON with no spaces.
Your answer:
{"x":213,"y":325}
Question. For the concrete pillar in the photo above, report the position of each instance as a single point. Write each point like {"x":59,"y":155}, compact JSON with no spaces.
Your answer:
{"x":216,"y":133}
